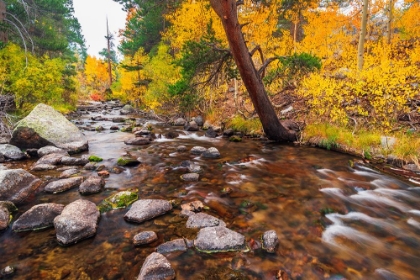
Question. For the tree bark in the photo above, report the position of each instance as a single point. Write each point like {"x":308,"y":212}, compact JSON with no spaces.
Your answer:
{"x":361,"y":48}
{"x":390,"y":20}
{"x":274,"y":130}
{"x":3,"y":35}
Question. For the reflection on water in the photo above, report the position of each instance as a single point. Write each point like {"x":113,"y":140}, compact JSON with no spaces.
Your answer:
{"x":334,"y":221}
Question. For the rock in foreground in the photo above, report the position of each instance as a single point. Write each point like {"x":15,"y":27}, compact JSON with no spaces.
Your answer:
{"x":63,"y":184}
{"x":156,"y":267}
{"x":17,"y":184}
{"x":45,"y":126}
{"x":91,"y":185}
{"x":146,"y":209}
{"x":38,"y":217}
{"x":79,"y":220}
{"x":144,"y":237}
{"x":219,"y":239}
{"x":11,"y":152}
{"x":270,"y":241}
{"x":202,"y":220}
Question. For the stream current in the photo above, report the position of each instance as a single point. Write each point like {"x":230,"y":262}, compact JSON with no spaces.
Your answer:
{"x":335,"y":219}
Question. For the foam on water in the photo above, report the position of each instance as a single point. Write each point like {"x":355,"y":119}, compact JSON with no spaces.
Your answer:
{"x":413,"y":222}
{"x":195,"y":136}
{"x":376,"y":198}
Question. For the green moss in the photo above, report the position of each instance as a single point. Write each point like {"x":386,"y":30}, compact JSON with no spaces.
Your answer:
{"x":118,"y":200}
{"x":235,"y":139}
{"x":95,"y":158}
{"x":126,"y":161}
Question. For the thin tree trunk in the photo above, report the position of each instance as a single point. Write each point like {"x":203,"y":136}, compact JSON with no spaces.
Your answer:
{"x":3,"y":35}
{"x":227,"y":12}
{"x":390,"y":19}
{"x":295,"y":35}
{"x":361,"y":48}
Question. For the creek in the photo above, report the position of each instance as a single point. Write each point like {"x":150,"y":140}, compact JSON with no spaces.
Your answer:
{"x":336,"y":218}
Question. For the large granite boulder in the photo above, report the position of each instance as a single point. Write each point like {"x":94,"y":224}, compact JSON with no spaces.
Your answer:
{"x":44,"y":126}
{"x":38,"y":217}
{"x":146,"y":209}
{"x":156,"y":267}
{"x":16,"y":185}
{"x":219,"y":239}
{"x":78,"y":220}
{"x":11,"y":152}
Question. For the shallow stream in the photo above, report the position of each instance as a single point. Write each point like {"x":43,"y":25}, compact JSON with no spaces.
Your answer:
{"x":335,"y":217}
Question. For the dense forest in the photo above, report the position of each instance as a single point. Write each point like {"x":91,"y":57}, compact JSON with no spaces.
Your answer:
{"x":348,"y":64}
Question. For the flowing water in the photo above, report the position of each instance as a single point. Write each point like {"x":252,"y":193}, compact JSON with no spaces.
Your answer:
{"x":334,"y":219}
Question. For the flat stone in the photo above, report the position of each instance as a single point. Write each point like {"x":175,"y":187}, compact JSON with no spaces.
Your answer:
{"x":211,"y":153}
{"x":156,"y":267}
{"x":197,"y":150}
{"x":74,"y":161}
{"x":146,"y":209}
{"x":68,"y":173}
{"x":38,"y":217}
{"x":78,"y":220}
{"x":144,"y":237}
{"x":177,"y":245}
{"x":190,"y":177}
{"x":11,"y":152}
{"x":93,"y":184}
{"x":43,"y":167}
{"x":90,"y":166}
{"x":50,"y":150}
{"x":137,"y":141}
{"x":16,"y":185}
{"x":219,"y":239}
{"x":202,"y":220}
{"x":63,"y":184}
{"x":53,"y":159}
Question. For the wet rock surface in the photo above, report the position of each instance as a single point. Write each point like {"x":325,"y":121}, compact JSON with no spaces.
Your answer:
{"x":211,"y":153}
{"x":38,"y":217}
{"x":144,"y":237}
{"x":202,"y":220}
{"x":93,"y":184}
{"x":190,"y":177}
{"x":146,"y":209}
{"x":11,"y":152}
{"x":138,"y":141}
{"x":50,"y":150}
{"x":4,"y":218}
{"x":219,"y":239}
{"x":177,"y":245}
{"x":270,"y":241}
{"x":77,"y":221}
{"x":63,"y":184}
{"x":17,"y":184}
{"x":156,"y":267}
{"x":197,"y":150}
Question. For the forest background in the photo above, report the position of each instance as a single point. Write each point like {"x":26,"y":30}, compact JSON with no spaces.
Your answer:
{"x":346,"y":75}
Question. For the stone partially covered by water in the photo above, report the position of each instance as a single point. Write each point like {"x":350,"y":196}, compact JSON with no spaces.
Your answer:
{"x":156,"y":267}
{"x":194,"y":206}
{"x":211,"y":153}
{"x":63,"y":185}
{"x":146,"y":209}
{"x":4,"y":217}
{"x":144,"y":237}
{"x":78,"y":220}
{"x":118,"y":200}
{"x":190,"y":177}
{"x":17,"y":184}
{"x":270,"y":241}
{"x":219,"y":239}
{"x":74,"y":160}
{"x":202,"y":220}
{"x":197,"y":150}
{"x":191,"y":126}
{"x":38,"y":217}
{"x":68,"y":173}
{"x":45,"y":126}
{"x":177,"y":245}
{"x":52,"y":158}
{"x":11,"y":152}
{"x":93,"y":184}
{"x":138,"y":141}
{"x":50,"y":150}
{"x":179,"y":122}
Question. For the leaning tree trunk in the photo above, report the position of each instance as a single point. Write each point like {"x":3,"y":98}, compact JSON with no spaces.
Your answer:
{"x":227,"y":12}
{"x":361,"y":48}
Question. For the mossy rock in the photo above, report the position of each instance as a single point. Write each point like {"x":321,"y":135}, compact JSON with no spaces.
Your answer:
{"x":95,"y":158}
{"x":235,"y":139}
{"x":119,"y":200}
{"x":127,"y":161}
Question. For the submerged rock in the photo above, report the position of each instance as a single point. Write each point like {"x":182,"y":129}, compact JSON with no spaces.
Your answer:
{"x":119,"y":200}
{"x":219,"y":239}
{"x":11,"y":152}
{"x":144,"y":237}
{"x":190,"y":177}
{"x":38,"y":217}
{"x":91,"y":185}
{"x":138,"y":141}
{"x":202,"y":220}
{"x":127,"y":161}
{"x":45,"y":126}
{"x":68,"y":173}
{"x":177,"y":245}
{"x":156,"y":267}
{"x":270,"y":241}
{"x":146,"y":209}
{"x":4,"y":217}
{"x":63,"y":184}
{"x":193,"y":206}
{"x":78,"y":220}
{"x":17,"y":184}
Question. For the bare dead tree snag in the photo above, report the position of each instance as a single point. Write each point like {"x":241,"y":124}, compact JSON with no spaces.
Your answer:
{"x":227,"y":12}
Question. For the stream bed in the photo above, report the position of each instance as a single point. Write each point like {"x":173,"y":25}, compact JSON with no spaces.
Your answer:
{"x":335,"y":217}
